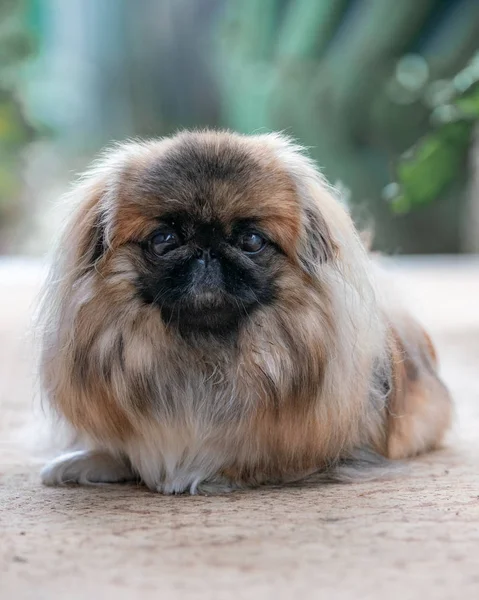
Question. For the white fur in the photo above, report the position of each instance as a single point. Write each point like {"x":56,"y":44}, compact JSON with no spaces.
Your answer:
{"x":86,"y":467}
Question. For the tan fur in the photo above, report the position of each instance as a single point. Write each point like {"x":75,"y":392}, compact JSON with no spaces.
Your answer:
{"x":420,"y":406}
{"x":303,"y":387}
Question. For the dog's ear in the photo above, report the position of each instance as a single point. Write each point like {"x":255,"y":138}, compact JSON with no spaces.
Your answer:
{"x":85,"y":235}
{"x":317,"y":246}
{"x":322,"y":217}
{"x":89,"y":233}
{"x":325,"y":224}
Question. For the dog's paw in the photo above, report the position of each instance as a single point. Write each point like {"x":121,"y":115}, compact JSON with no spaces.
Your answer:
{"x":194,"y":486}
{"x":214,"y":487}
{"x":87,"y":468}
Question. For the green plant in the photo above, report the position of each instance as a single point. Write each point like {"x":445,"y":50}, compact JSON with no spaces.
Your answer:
{"x":439,"y":159}
{"x":15,"y":130}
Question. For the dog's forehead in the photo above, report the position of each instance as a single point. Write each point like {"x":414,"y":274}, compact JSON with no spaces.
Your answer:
{"x":210,"y":179}
{"x":213,"y":180}
{"x":191,"y":167}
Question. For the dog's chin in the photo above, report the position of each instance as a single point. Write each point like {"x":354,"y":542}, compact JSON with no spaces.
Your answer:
{"x":206,"y":313}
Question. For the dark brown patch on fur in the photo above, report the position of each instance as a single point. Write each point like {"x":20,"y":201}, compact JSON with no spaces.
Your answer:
{"x":411,"y":368}
{"x":419,"y":405}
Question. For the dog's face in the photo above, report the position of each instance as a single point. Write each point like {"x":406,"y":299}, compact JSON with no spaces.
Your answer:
{"x":205,"y":274}
{"x":211,"y":258}
{"x":211,"y":226}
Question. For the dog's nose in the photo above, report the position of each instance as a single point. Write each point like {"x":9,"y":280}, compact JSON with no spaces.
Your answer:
{"x":205,"y":255}
{"x":206,"y":272}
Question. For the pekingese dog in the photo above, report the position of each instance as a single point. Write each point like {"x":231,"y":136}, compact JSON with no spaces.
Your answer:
{"x":213,"y":322}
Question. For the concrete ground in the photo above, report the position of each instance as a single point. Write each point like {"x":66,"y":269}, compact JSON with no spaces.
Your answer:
{"x":413,"y":537}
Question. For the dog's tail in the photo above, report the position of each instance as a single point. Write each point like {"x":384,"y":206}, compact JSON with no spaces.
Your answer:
{"x":363,"y":465}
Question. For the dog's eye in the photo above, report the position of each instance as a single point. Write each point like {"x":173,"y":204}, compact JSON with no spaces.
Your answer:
{"x":252,"y":242}
{"x":165,"y":240}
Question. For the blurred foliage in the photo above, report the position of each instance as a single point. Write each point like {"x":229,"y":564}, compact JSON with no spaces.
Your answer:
{"x":440,"y":157}
{"x":15,"y":131}
{"x":348,"y":78}
{"x":359,"y":82}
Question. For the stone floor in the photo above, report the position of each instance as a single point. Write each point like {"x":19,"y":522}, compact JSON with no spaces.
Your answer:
{"x":413,"y":537}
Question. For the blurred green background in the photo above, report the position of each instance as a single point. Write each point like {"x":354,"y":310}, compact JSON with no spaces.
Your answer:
{"x":383,"y":92}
